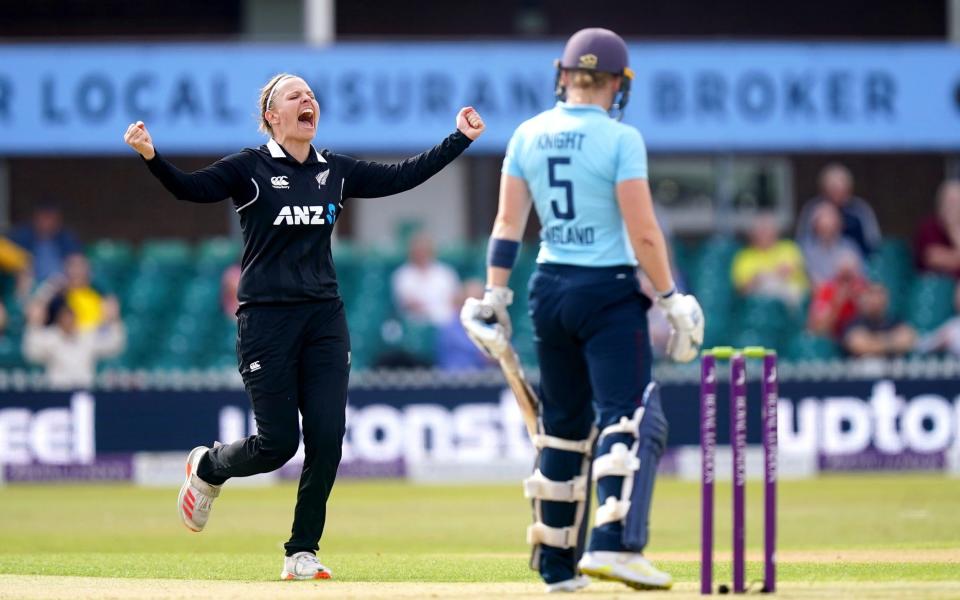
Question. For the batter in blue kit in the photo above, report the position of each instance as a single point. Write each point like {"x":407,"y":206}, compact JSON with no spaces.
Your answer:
{"x":585,"y":174}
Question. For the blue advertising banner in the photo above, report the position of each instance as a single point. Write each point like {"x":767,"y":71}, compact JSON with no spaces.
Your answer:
{"x":839,"y":425}
{"x":402,"y":97}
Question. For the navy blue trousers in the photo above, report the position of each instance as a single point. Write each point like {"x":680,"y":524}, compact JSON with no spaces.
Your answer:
{"x":593,"y":345}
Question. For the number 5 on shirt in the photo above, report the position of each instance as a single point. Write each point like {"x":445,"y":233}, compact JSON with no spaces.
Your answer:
{"x":568,"y":212}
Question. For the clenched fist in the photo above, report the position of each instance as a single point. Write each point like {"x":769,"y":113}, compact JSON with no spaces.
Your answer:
{"x":138,"y":138}
{"x":469,"y":122}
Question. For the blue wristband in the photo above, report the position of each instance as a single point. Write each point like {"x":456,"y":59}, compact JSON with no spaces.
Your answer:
{"x":502,"y":253}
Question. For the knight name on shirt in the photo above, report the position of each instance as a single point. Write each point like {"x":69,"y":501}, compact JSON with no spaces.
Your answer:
{"x":563,"y":140}
{"x":560,"y":234}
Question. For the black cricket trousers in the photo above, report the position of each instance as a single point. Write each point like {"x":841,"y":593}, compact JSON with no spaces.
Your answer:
{"x":293,"y":358}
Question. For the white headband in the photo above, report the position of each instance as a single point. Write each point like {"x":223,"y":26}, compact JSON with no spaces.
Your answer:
{"x":274,"y":89}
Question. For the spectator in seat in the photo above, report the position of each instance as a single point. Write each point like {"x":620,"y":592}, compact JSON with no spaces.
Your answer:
{"x":945,"y":338}
{"x":86,"y":302}
{"x":76,"y":289}
{"x":936,"y":245}
{"x":834,"y":303}
{"x":874,"y":333}
{"x":423,"y":287}
{"x":823,"y":251}
{"x":859,"y":221}
{"x":69,"y":355}
{"x":455,"y":351}
{"x":770,"y":266}
{"x":48,"y":242}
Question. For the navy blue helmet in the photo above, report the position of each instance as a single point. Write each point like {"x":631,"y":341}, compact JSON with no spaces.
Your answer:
{"x":598,"y":49}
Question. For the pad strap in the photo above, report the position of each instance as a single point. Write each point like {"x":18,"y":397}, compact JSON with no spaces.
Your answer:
{"x":558,"y":537}
{"x":542,"y":440}
{"x":620,"y":461}
{"x":539,"y":487}
{"x":625,"y":425}
{"x":611,"y":511}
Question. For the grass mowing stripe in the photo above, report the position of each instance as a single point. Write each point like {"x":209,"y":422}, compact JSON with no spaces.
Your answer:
{"x":422,"y":567}
{"x":266,"y":567}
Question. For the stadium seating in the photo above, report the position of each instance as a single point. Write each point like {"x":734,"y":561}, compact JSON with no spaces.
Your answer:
{"x":930,"y":301}
{"x":709,"y":278}
{"x":891,"y":265}
{"x":807,"y":346}
{"x":170,"y":297}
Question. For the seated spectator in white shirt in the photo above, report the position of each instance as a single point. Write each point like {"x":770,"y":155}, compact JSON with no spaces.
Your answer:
{"x":826,"y":247}
{"x":424,"y":288}
{"x":69,"y":355}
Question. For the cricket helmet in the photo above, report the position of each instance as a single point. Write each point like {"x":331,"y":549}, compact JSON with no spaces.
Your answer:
{"x":598,"y":49}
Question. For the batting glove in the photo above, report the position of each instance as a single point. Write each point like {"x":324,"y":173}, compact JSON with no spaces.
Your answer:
{"x":686,"y":326}
{"x":487,"y":321}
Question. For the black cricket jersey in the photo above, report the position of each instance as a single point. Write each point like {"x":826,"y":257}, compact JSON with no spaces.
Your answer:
{"x":288,"y":209}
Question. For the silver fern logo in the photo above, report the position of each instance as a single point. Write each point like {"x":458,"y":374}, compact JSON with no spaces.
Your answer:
{"x":322,"y":178}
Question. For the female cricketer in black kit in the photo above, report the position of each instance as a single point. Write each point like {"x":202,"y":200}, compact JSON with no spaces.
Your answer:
{"x":293,"y":346}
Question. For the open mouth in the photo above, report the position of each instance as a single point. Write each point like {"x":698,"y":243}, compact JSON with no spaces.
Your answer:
{"x":307,"y":117}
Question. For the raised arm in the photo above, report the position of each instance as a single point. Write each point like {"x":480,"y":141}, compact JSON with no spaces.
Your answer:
{"x":38,"y":342}
{"x":111,"y":337}
{"x":365,"y":179}
{"x":224,"y":179}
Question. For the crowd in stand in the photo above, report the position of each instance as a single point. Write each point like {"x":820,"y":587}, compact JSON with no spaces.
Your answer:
{"x":837,"y":233}
{"x":70,"y":325}
{"x":820,"y":274}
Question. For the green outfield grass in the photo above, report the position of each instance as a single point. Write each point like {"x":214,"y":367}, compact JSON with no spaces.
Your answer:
{"x":833,"y":529}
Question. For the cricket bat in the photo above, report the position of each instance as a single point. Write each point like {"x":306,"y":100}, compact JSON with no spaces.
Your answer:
{"x":526,"y":398}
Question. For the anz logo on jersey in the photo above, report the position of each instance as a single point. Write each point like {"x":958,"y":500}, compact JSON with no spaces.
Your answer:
{"x":306,"y":215}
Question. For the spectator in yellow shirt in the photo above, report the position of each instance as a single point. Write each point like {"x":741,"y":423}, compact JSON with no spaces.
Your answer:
{"x":770,"y":266}
{"x":85,"y":301}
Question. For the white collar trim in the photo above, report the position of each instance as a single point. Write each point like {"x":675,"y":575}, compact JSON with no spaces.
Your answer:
{"x":277,"y":152}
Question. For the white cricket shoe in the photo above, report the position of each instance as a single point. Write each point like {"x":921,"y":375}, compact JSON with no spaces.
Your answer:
{"x":304,"y":565}
{"x":630,"y":568}
{"x":196,"y":495}
{"x":568,"y":585}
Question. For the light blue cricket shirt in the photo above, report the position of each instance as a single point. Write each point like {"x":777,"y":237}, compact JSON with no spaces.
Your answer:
{"x":572,"y":157}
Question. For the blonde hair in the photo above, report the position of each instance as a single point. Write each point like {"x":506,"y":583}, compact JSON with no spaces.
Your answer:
{"x":584,"y":79}
{"x":266,"y":100}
